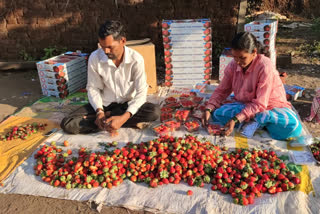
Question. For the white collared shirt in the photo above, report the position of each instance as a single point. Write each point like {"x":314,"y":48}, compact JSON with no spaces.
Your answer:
{"x":108,"y":83}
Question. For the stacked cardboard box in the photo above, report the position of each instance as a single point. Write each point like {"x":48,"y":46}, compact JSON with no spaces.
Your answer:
{"x":62,"y":75}
{"x":265,"y":31}
{"x":225,"y":59}
{"x":187,"y":51}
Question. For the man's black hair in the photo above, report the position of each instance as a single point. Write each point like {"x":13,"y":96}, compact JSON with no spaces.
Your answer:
{"x":112,"y":27}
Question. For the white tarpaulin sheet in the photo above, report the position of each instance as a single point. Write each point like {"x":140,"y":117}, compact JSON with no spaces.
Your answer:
{"x":172,"y":198}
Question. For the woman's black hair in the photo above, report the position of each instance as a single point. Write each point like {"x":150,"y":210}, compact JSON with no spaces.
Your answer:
{"x":114,"y":28}
{"x":248,"y":42}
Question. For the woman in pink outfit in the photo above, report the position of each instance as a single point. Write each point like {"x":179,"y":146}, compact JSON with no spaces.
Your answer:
{"x":258,"y":92}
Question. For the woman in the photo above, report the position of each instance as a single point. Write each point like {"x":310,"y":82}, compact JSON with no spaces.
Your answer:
{"x":258,"y":91}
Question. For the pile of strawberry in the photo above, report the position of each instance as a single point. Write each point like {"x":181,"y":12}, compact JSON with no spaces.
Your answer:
{"x":244,"y":174}
{"x":23,"y":131}
{"x":160,"y":161}
{"x":315,"y":149}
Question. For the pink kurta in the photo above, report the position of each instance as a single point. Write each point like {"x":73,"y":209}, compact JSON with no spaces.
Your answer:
{"x":259,"y":88}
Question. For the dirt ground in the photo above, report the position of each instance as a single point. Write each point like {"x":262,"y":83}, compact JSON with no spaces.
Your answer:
{"x":21,"y":88}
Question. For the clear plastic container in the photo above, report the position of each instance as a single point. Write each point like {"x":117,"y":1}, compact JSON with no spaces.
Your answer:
{"x":161,"y":130}
{"x":192,"y":125}
{"x":170,"y":100}
{"x":186,"y":103}
{"x":172,"y":105}
{"x":182,"y":114}
{"x":197,"y":99}
{"x":200,"y":108}
{"x":197,"y":114}
{"x":215,"y":129}
{"x":166,"y":116}
{"x":185,"y":96}
{"x":167,"y":109}
{"x":172,"y":124}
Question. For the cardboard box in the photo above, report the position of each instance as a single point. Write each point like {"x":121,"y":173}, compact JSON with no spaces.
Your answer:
{"x":187,"y":49}
{"x":62,"y":75}
{"x":270,"y":25}
{"x":148,"y":52}
{"x":225,"y":58}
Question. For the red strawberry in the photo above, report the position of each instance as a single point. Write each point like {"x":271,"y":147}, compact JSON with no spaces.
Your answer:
{"x":207,"y":52}
{"x":189,"y":192}
{"x":266,"y":28}
{"x":250,"y":199}
{"x":244,"y":201}
{"x":272,"y":190}
{"x":168,"y":72}
{"x":165,"y":25}
{"x":167,"y":47}
{"x":296,"y":180}
{"x":56,"y":183}
{"x":167,"y":59}
{"x":165,"y":33}
{"x":281,"y":177}
{"x":166,"y":40}
{"x":207,"y":45}
{"x":207,"y":31}
{"x":236,"y":200}
{"x":282,"y":165}
{"x":207,"y":24}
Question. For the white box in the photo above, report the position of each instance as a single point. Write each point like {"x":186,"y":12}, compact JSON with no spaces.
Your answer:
{"x":270,"y":25}
{"x":224,"y":59}
{"x":187,"y":49}
{"x":72,"y":70}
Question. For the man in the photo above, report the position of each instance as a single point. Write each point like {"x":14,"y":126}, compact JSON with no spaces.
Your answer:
{"x":117,"y":88}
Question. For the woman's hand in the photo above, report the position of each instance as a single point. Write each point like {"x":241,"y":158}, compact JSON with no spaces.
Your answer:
{"x":205,"y":118}
{"x":229,"y":127}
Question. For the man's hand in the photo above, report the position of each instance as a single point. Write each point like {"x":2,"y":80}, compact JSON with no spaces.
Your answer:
{"x":229,"y":127}
{"x":100,"y":120}
{"x":115,"y":122}
{"x":205,"y":118}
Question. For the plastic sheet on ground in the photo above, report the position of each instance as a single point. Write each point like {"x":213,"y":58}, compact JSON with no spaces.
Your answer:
{"x":172,"y":198}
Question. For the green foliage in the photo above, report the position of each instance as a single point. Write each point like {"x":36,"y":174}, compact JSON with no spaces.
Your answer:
{"x":217,"y":49}
{"x":309,"y":48}
{"x":53,"y":51}
{"x":25,"y":56}
{"x":48,"y":53}
{"x":316,"y":24}
{"x":248,"y":19}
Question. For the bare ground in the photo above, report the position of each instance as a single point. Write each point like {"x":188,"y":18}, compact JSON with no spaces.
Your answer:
{"x":21,"y":88}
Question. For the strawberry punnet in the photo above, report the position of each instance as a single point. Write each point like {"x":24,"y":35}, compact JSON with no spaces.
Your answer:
{"x":192,"y":125}
{"x":182,"y":115}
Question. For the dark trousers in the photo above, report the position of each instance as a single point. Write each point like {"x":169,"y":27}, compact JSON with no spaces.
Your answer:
{"x":83,"y":120}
